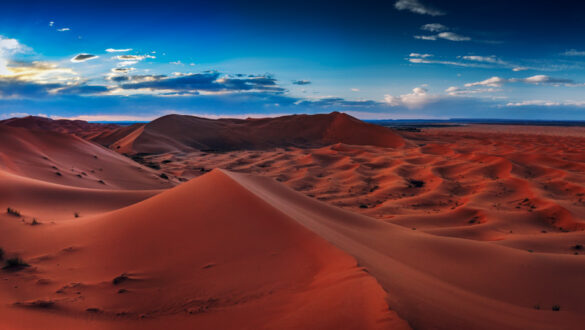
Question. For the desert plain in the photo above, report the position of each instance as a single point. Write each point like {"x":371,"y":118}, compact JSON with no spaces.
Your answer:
{"x":293,"y":222}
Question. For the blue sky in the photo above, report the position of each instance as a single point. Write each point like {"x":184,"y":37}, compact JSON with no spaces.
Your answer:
{"x":130,"y":60}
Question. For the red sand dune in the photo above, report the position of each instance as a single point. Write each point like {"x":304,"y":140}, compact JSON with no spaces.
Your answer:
{"x":190,"y":262}
{"x":187,"y":133}
{"x":69,"y":160}
{"x":451,"y":228}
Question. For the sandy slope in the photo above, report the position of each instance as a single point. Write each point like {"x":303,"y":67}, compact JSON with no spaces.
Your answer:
{"x":181,"y":133}
{"x":69,"y":160}
{"x":191,"y":261}
{"x":441,"y":282}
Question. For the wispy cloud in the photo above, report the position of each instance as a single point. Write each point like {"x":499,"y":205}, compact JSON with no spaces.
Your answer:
{"x":434,"y":27}
{"x":417,"y":7}
{"x":113,"y":50}
{"x":83,"y":57}
{"x":301,"y":82}
{"x":574,"y":52}
{"x":64,"y":29}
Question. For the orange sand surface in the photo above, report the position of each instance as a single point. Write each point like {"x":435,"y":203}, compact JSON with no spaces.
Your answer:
{"x":447,"y":228}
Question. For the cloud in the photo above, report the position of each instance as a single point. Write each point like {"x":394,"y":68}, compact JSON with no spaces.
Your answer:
{"x":544,"y":103}
{"x":301,"y":82}
{"x":121,"y":70}
{"x":543,"y":79}
{"x":418,"y":98}
{"x":420,"y":55}
{"x":113,"y":50}
{"x":417,"y":7}
{"x":8,"y":48}
{"x":83,"y":57}
{"x":534,"y":80}
{"x":196,"y":83}
{"x":64,"y":29}
{"x":574,"y":52}
{"x":452,"y":36}
{"x":485,"y":59}
{"x":458,"y":91}
{"x":490,"y":82}
{"x":434,"y":27}
{"x":133,"y":57}
{"x":51,"y":23}
{"x":432,"y":38}
{"x":355,"y":89}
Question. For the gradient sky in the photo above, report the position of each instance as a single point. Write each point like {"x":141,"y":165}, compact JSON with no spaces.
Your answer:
{"x":395,"y":59}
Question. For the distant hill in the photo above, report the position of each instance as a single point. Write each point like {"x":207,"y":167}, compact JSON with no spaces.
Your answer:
{"x":189,"y":133}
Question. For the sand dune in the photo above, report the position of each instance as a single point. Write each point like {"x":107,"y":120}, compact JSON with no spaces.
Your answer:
{"x":188,"y":133}
{"x":447,"y":228}
{"x":189,"y":261}
{"x":69,"y":160}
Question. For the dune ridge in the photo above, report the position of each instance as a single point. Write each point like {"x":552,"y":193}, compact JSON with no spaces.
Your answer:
{"x":178,"y":265}
{"x":181,"y":133}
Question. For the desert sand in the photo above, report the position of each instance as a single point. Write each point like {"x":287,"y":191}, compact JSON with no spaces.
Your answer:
{"x":295,"y":222}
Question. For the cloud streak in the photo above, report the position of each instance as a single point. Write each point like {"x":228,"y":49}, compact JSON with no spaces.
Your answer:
{"x":417,"y":7}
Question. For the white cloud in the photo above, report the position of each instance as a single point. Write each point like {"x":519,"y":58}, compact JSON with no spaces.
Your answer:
{"x":544,"y":103}
{"x":9,"y":47}
{"x":113,"y":50}
{"x":452,"y":36}
{"x":133,"y":57}
{"x":126,"y":63}
{"x":420,"y":55}
{"x":490,"y":82}
{"x":64,"y":29}
{"x":51,"y":23}
{"x":355,"y":89}
{"x":417,"y":7}
{"x":418,"y":98}
{"x":434,"y":27}
{"x":458,"y":91}
{"x":519,"y":68}
{"x":574,"y":52}
{"x":433,"y":38}
{"x":485,"y":59}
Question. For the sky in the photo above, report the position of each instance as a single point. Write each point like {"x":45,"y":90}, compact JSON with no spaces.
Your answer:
{"x":394,"y":59}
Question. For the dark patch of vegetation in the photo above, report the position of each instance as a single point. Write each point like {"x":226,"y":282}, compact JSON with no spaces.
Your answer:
{"x":531,"y":251}
{"x":95,"y":156}
{"x":101,"y":181}
{"x":120,"y":279}
{"x":122,"y":291}
{"x":93,"y":310}
{"x":15,"y":263}
{"x":76,"y":214}
{"x":79,"y":176}
{"x":164,"y":176}
{"x":556,"y":308}
{"x":13,"y":212}
{"x":578,"y":247}
{"x":58,"y":174}
{"x":415,"y":183}
{"x":35,"y":222}
{"x":363,"y":206}
{"x":166,"y":161}
{"x":1,"y":254}
{"x":413,"y":228}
